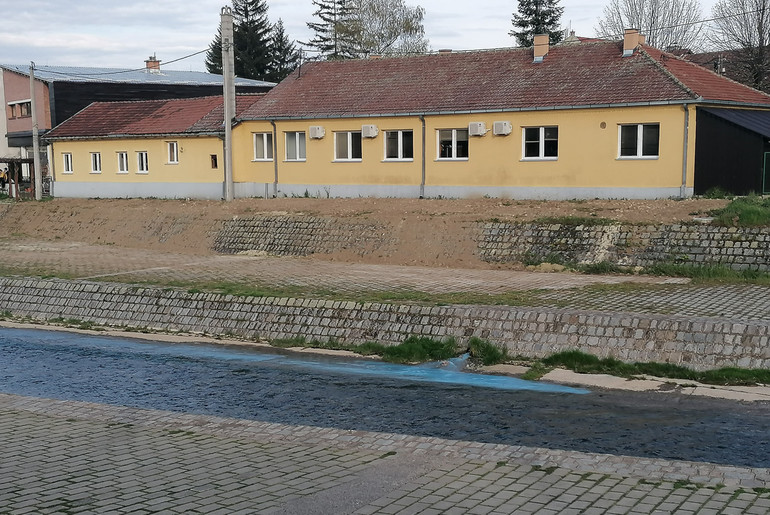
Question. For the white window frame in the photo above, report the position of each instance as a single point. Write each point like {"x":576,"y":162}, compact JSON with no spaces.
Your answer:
{"x":348,"y":135}
{"x":142,"y":162}
{"x":67,"y":158}
{"x":454,"y":145}
{"x":263,"y":141}
{"x":96,"y":162}
{"x":639,"y":141}
{"x":400,"y":138}
{"x":295,"y":156}
{"x":173,"y":152}
{"x":541,"y":142}
{"x":122,"y":162}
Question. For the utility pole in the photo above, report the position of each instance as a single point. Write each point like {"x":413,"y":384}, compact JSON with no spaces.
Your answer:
{"x":37,"y":171}
{"x":228,"y":72}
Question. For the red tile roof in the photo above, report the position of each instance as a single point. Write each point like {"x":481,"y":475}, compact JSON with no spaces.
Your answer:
{"x":583,"y":74}
{"x":150,"y":117}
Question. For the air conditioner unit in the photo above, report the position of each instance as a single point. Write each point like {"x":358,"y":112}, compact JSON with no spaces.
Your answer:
{"x":369,"y":131}
{"x":477,"y":128}
{"x":317,"y":132}
{"x":501,"y":128}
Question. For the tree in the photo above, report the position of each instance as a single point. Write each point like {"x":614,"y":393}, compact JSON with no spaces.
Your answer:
{"x":537,"y":17}
{"x":744,"y":25}
{"x":389,"y":27}
{"x":335,"y":33}
{"x":284,"y":54}
{"x":252,"y":41}
{"x":666,"y":24}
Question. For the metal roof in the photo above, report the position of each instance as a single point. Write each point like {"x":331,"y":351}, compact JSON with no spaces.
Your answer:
{"x":126,"y":75}
{"x":755,"y":121}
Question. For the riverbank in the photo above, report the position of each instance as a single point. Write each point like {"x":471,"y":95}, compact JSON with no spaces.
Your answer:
{"x":557,"y":376}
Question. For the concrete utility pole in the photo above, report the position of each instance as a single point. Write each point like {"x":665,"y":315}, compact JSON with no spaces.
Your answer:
{"x":228,"y":72}
{"x":38,"y":172}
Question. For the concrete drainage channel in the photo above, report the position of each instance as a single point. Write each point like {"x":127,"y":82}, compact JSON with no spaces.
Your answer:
{"x":699,"y":343}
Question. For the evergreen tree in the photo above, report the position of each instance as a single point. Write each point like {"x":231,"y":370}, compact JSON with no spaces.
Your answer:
{"x":336,"y":32}
{"x":284,"y":54}
{"x":537,"y":17}
{"x":252,"y":35}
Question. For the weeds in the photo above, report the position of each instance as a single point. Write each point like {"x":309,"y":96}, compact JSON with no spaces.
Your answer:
{"x":749,"y":211}
{"x":487,"y":353}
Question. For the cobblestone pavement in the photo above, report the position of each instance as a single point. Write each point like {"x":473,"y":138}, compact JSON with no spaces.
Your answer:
{"x":653,"y":295}
{"x":75,"y":457}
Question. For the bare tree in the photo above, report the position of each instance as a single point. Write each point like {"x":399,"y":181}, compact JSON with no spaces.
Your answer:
{"x":665,"y":23}
{"x":744,"y":26}
{"x":389,"y":27}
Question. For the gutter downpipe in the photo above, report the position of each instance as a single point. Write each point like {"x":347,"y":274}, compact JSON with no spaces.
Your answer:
{"x":422,"y":181}
{"x":683,"y":188}
{"x":275,"y":160}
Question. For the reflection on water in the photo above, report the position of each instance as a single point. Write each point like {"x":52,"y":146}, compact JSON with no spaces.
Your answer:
{"x":424,"y":400}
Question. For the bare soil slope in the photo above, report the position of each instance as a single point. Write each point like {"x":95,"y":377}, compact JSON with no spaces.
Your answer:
{"x":429,"y":232}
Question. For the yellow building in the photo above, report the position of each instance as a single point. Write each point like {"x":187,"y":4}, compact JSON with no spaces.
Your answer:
{"x":598,"y":119}
{"x":154,"y":148}
{"x":608,"y":119}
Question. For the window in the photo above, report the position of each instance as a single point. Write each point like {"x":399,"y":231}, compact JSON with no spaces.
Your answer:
{"x":295,"y":146}
{"x":122,"y":162}
{"x":67,"y":163}
{"x":173,"y":153}
{"x":541,"y":143}
{"x":399,"y":145}
{"x":214,"y":163}
{"x":96,"y":162}
{"x":263,"y":146}
{"x":142,"y":166}
{"x":20,"y":109}
{"x":347,"y":146}
{"x":453,"y":144}
{"x":639,"y":141}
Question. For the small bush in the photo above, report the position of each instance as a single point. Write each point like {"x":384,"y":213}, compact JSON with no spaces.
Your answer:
{"x":601,"y":268}
{"x":416,"y":349}
{"x":487,"y":353}
{"x":749,"y":211}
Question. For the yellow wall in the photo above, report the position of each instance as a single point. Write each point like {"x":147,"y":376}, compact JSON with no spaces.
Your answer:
{"x":194,"y":164}
{"x":588,"y":152}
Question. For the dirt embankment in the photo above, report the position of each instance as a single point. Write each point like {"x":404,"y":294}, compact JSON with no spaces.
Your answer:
{"x":427,"y":232}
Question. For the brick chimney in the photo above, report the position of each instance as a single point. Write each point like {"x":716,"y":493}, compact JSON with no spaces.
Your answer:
{"x":152,"y":64}
{"x":631,"y":40}
{"x":541,"y":47}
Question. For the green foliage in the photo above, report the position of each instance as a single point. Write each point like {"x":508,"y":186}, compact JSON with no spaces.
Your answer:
{"x":717,"y":193}
{"x":537,"y":17}
{"x":602,"y":268}
{"x":750,"y":211}
{"x":334,"y":32}
{"x":584,"y":363}
{"x":708,"y":273}
{"x":417,"y":349}
{"x":487,"y":353}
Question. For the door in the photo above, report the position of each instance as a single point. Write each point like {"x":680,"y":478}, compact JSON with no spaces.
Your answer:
{"x":766,"y":177}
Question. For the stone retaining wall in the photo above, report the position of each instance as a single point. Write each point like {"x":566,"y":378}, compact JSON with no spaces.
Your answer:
{"x":292,"y":235}
{"x":699,"y":343}
{"x":629,"y":245}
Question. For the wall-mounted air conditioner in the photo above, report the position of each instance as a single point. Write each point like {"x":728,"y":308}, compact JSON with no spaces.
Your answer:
{"x":317,"y":132}
{"x":502,"y":128}
{"x":477,"y":128}
{"x":369,"y":131}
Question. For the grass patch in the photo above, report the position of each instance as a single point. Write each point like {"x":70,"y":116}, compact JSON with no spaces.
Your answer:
{"x":417,"y":349}
{"x":584,"y":363}
{"x":709,"y":273}
{"x":487,"y":353}
{"x":749,"y":211}
{"x":602,"y":268}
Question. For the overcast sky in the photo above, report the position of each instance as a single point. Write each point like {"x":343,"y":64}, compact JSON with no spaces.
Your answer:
{"x":123,"y":34}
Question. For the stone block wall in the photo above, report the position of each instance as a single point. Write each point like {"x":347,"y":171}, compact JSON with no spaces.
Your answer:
{"x":628,"y":245}
{"x":292,"y":235}
{"x":699,"y":343}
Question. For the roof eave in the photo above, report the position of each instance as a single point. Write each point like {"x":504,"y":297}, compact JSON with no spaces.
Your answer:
{"x":202,"y":134}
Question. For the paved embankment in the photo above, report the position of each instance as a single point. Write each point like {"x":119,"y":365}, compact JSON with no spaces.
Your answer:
{"x":73,"y":457}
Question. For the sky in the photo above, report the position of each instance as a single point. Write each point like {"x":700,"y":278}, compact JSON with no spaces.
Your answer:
{"x":124,"y":34}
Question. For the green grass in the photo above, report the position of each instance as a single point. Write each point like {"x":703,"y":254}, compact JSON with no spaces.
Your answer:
{"x":708,"y":274}
{"x":749,"y":211}
{"x":487,"y":353}
{"x":415,"y":349}
{"x":584,"y":363}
